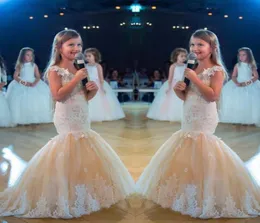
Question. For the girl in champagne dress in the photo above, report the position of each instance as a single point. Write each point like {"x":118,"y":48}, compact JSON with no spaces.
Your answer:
{"x":76,"y":172}
{"x":194,"y":172}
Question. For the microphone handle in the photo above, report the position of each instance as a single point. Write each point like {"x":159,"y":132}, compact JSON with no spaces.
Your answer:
{"x":78,"y":67}
{"x":186,"y":80}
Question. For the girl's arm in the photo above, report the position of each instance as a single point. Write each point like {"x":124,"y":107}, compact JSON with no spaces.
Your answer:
{"x":234,"y":76}
{"x":211,"y":93}
{"x":180,"y":90}
{"x":59,"y":92}
{"x":37,"y":75}
{"x":255,"y":75}
{"x":18,"y":79}
{"x":100,"y":76}
{"x":91,"y":88}
{"x":253,"y":79}
{"x":170,"y":77}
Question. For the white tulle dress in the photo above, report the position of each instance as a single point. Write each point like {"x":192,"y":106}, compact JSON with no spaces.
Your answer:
{"x":167,"y":106}
{"x":5,"y":114}
{"x":29,"y":105}
{"x":241,"y":105}
{"x":104,"y":107}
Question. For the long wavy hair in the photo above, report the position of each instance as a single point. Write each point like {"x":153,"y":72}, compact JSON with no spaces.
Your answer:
{"x":212,"y":39}
{"x":20,"y":60}
{"x":250,"y":57}
{"x":59,"y":39}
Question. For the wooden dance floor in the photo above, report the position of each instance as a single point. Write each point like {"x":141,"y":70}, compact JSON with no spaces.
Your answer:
{"x":135,"y":139}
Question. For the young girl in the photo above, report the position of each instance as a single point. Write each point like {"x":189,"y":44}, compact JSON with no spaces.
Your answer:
{"x":28,"y":96}
{"x":166,"y":105}
{"x":240,"y":96}
{"x":194,"y":172}
{"x":76,"y":172}
{"x":105,"y":106}
{"x":5,"y":116}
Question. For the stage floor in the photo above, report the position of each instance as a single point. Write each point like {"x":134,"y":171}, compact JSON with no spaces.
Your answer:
{"x":135,"y":139}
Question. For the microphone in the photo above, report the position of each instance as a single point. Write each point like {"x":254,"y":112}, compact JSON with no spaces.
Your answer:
{"x":191,"y":61}
{"x":79,"y":63}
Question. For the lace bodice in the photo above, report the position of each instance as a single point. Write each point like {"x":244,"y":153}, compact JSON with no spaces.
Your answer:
{"x":244,"y":72}
{"x":27,"y":72}
{"x":200,"y":115}
{"x":71,"y":115}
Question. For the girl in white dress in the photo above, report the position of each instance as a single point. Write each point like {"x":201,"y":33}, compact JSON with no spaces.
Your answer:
{"x":105,"y":106}
{"x":29,"y":98}
{"x":76,"y":172}
{"x":166,"y":105}
{"x":194,"y":172}
{"x":5,"y":115}
{"x":240,"y":96}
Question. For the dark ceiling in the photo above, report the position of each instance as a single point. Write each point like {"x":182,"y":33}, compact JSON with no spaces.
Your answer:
{"x":101,"y":6}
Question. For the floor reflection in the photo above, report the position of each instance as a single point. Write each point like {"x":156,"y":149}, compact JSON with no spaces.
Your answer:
{"x":11,"y":166}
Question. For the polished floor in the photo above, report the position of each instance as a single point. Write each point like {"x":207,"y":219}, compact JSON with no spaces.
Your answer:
{"x":135,"y":139}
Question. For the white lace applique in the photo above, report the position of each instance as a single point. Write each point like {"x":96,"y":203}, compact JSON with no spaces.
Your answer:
{"x":211,"y":71}
{"x":88,"y":198}
{"x":60,"y":71}
{"x":183,"y":198}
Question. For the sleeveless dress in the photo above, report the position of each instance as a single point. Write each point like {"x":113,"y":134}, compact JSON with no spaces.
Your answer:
{"x":5,"y":116}
{"x":29,"y":105}
{"x":74,"y":174}
{"x":196,"y":173}
{"x":103,"y":107}
{"x":240,"y":105}
{"x":167,"y":106}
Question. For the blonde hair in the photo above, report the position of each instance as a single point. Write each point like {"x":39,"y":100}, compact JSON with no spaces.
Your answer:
{"x":250,"y":57}
{"x":95,"y":52}
{"x":20,"y":60}
{"x":59,"y":39}
{"x":212,"y":40}
{"x":175,"y":53}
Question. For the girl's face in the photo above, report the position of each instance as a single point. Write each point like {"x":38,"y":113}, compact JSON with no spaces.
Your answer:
{"x":156,"y":74}
{"x":28,"y":56}
{"x":115,"y":74}
{"x":90,"y":57}
{"x":181,"y":58}
{"x":201,"y":48}
{"x":242,"y":55}
{"x":70,"y":48}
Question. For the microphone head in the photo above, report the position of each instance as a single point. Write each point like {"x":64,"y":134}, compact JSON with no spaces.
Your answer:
{"x":79,"y":61}
{"x":79,"y":56}
{"x":192,"y":56}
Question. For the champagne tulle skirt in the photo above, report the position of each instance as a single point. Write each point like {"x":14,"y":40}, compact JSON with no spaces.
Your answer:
{"x":199,"y":175}
{"x":72,"y":175}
